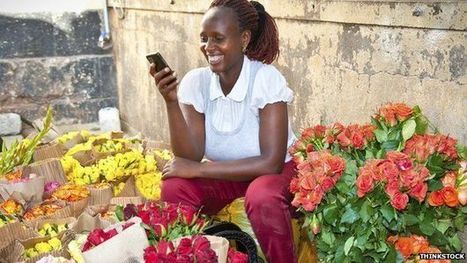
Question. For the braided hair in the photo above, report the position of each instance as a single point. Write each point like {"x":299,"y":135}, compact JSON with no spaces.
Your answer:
{"x":264,"y":43}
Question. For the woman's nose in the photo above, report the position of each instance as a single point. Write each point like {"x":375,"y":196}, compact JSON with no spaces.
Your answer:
{"x":209,"y":46}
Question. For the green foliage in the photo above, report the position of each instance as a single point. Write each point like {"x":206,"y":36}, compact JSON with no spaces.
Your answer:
{"x":21,"y":153}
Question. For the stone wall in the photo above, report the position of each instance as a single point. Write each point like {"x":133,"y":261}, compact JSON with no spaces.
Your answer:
{"x":342,"y":58}
{"x":50,"y":56}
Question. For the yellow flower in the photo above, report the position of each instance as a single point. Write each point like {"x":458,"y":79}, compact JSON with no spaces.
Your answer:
{"x":62,"y":227}
{"x":30,"y":253}
{"x":43,"y":247}
{"x":55,"y":243}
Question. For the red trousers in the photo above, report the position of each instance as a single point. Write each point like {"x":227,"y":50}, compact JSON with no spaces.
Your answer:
{"x":267,"y":204}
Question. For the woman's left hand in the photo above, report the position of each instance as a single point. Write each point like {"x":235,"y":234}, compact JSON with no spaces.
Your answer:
{"x":181,"y":167}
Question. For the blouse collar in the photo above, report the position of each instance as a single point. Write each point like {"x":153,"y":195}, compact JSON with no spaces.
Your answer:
{"x":240,"y":88}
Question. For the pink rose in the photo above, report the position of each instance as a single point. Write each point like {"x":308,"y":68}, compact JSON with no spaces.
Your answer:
{"x":399,"y":200}
{"x":150,"y":255}
{"x":327,"y":184}
{"x":419,"y":191}
{"x":184,"y":248}
{"x":236,"y":257}
{"x":392,"y":187}
{"x":364,"y":184}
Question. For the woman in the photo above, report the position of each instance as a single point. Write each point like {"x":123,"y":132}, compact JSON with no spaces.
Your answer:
{"x":233,"y":112}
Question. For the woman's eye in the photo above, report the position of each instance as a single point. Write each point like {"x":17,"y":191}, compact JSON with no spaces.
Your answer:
{"x":203,"y":39}
{"x":219,"y":38}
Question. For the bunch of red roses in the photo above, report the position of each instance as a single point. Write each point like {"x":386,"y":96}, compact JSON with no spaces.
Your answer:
{"x":99,"y":236}
{"x":194,"y":249}
{"x":317,"y":175}
{"x":166,"y":220}
{"x":400,"y":175}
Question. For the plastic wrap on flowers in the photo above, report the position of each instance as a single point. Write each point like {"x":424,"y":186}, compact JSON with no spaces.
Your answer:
{"x":51,"y":169}
{"x":52,"y":150}
{"x":15,"y":231}
{"x":116,"y":249}
{"x":33,"y":249}
{"x":31,"y":190}
{"x":86,"y":223}
{"x":100,"y":193}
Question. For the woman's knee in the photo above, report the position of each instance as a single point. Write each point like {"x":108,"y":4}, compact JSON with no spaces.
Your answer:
{"x":180,"y":190}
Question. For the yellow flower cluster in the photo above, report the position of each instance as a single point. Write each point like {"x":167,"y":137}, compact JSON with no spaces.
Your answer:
{"x":148,"y":185}
{"x":111,"y":169}
{"x":110,"y":146}
{"x":43,"y":247}
{"x":52,"y":229}
{"x":118,"y":188}
{"x":164,"y":154}
{"x":70,"y":135}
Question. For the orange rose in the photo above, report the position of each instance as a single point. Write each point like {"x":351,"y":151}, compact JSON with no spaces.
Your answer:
{"x":449,"y":179}
{"x":388,"y":114}
{"x":405,"y":246}
{"x":436,"y":198}
{"x":450,"y":196}
{"x":402,"y":111}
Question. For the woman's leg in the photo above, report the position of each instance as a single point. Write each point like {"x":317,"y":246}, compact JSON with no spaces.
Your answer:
{"x":267,"y":203}
{"x":210,"y":195}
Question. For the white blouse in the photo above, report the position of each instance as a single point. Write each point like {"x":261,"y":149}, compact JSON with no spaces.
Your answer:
{"x":232,"y":120}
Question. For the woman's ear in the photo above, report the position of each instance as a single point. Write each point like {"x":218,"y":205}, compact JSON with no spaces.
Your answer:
{"x":245,"y":38}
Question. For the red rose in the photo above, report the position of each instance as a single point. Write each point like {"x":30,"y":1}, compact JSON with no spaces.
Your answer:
{"x":184,"y":248}
{"x":111,"y":233}
{"x":185,"y":258}
{"x":419,"y":191}
{"x":357,"y":139}
{"x":200,"y":243}
{"x":402,"y":160}
{"x":337,"y":165}
{"x":236,"y":257}
{"x":165,"y":247}
{"x":96,"y":236}
{"x":188,"y":214}
{"x":343,"y":139}
{"x":150,"y":255}
{"x":327,"y":184}
{"x":399,"y":200}
{"x":364,"y":184}
{"x":436,"y":198}
{"x":402,"y":111}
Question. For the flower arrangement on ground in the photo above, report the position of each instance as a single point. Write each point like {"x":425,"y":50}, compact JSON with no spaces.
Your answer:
{"x":361,"y":184}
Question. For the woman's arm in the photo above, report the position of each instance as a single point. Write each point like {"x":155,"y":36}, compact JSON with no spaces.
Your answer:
{"x":186,"y":131}
{"x":273,"y":144}
{"x":186,"y":142}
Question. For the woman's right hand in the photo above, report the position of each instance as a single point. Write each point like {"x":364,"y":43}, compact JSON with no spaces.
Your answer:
{"x":166,"y":82}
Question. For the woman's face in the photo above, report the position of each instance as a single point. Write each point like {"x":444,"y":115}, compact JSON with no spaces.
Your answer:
{"x":221,"y":40}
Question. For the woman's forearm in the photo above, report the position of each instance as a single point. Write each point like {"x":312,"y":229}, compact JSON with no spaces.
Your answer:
{"x":181,"y":139}
{"x":241,"y":170}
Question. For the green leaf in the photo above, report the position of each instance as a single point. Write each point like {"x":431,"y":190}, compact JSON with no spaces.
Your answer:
{"x":459,"y":221}
{"x":348,"y":245}
{"x":328,"y":237}
{"x":443,"y":225}
{"x":438,"y":239}
{"x":434,"y":185}
{"x":351,"y":167}
{"x":422,"y":124}
{"x":381,"y":136}
{"x":388,"y":212}
{"x":342,"y":187}
{"x":410,"y":220}
{"x":330,"y":214}
{"x":456,"y":243}
{"x":350,"y":216}
{"x":390,"y":145}
{"x":366,"y":211}
{"x":119,"y":213}
{"x":427,"y":228}
{"x":408,"y":129}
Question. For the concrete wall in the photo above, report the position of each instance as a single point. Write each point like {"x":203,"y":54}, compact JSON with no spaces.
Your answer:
{"x":49,"y":54}
{"x":343,"y":59}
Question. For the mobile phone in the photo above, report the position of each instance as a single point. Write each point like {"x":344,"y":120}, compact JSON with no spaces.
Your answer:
{"x":158,"y":60}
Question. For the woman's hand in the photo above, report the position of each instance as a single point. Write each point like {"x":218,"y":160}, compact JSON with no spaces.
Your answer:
{"x":166,"y":82}
{"x":181,"y":167}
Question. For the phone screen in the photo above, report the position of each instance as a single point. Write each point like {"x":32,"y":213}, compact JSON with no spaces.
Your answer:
{"x":158,"y":60}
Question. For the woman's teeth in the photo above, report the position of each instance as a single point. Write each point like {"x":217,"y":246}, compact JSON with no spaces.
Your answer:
{"x":215,"y":59}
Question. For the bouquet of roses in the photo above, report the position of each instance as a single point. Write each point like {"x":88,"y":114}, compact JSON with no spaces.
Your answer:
{"x":190,"y":249}
{"x":165,"y":221}
{"x":395,"y":180}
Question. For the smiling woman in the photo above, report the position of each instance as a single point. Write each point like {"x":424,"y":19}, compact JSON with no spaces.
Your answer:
{"x":234,"y":113}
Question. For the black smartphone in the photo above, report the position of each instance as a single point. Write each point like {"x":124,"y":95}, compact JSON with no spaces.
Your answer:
{"x":158,"y":60}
